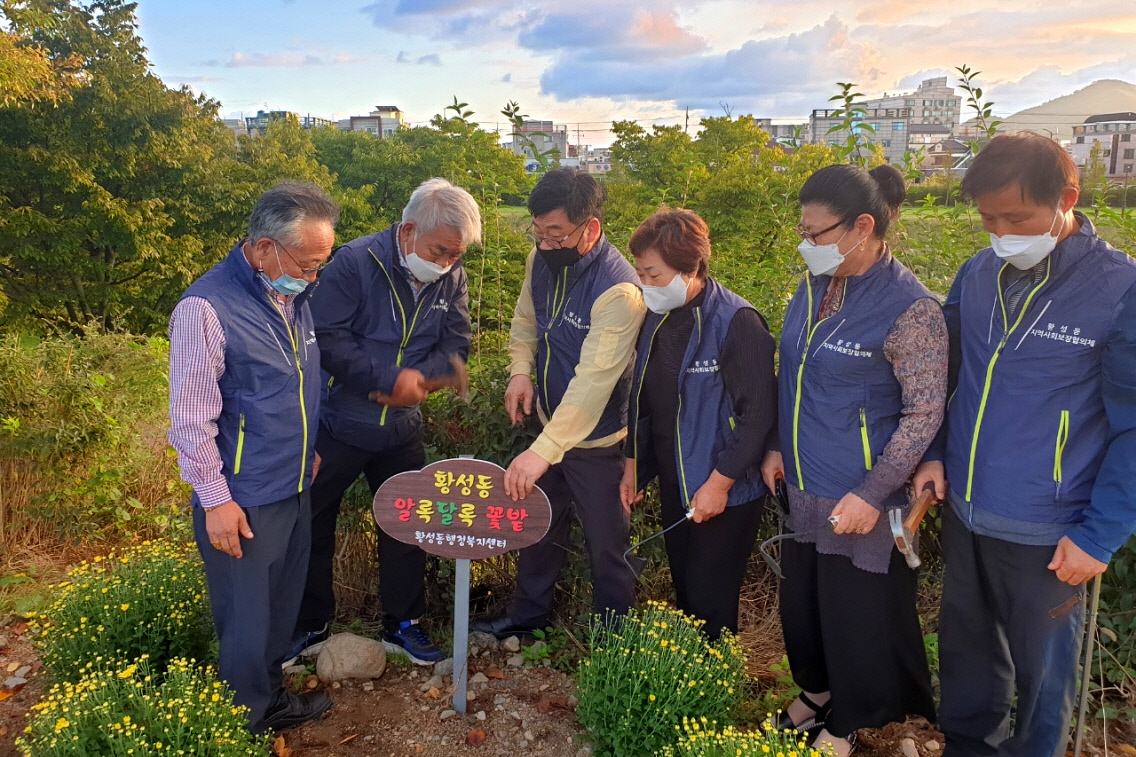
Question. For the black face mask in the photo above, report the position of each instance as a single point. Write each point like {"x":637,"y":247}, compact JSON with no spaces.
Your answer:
{"x":562,"y":257}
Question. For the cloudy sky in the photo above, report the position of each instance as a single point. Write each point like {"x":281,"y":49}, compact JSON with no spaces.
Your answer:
{"x":589,"y":62}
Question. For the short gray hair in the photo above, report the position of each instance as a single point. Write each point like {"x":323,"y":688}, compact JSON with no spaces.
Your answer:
{"x":280,"y":211}
{"x":437,"y":203}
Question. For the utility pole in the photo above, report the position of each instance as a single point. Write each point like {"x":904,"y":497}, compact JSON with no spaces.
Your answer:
{"x":686,"y":124}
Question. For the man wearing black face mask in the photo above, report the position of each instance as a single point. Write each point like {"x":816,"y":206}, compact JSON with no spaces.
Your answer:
{"x":574,"y":327}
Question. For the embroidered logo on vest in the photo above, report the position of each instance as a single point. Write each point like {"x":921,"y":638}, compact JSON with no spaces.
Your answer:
{"x":576,"y":321}
{"x":704,"y":366}
{"x":847,"y":348}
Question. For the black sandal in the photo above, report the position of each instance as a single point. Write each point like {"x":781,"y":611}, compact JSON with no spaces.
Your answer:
{"x":811,"y":726}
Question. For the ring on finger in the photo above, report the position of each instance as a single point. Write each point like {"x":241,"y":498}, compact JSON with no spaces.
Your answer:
{"x":216,"y":545}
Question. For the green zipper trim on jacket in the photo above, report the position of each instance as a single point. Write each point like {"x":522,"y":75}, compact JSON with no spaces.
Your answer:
{"x":562,"y":297}
{"x":1059,"y":449}
{"x":810,"y":329}
{"x":240,"y":445}
{"x":733,"y":423}
{"x":864,"y":439}
{"x":678,"y":419}
{"x":402,"y":314}
{"x":1009,"y":330}
{"x":293,"y":339}
{"x":639,"y":391}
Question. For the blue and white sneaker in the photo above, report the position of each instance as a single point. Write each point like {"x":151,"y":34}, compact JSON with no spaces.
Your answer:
{"x":306,"y":644}
{"x":410,"y":640}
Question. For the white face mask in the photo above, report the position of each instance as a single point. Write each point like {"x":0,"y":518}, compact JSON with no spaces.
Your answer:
{"x":1025,"y":251}
{"x":424,"y":270}
{"x":665,"y":299}
{"x":823,"y":259}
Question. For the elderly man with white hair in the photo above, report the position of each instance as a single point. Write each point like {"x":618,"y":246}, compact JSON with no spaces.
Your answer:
{"x":390,"y":311}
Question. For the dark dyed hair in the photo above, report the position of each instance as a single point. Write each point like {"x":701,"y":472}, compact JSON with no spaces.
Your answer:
{"x":850,"y":191}
{"x":681,"y":238}
{"x":575,"y":192}
{"x":1038,"y":165}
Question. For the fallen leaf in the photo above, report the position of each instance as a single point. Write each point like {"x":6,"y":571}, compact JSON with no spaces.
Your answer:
{"x":3,"y":730}
{"x":349,"y":739}
{"x":13,"y":667}
{"x":20,"y":629}
{"x":311,"y":682}
{"x":476,"y":737}
{"x":5,"y":694}
{"x":546,"y":704}
{"x":1127,"y":749}
{"x":433,"y":693}
{"x":279,"y":748}
{"x":492,"y":672}
{"x":419,"y":748}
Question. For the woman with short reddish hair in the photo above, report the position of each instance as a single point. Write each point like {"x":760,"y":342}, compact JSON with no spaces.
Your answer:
{"x":703,"y":401}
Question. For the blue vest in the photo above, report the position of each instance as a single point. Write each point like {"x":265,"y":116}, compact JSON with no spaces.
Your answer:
{"x":839,"y":401}
{"x":1027,"y":429}
{"x":270,"y":389}
{"x":705,"y":410}
{"x":563,"y":304}
{"x":389,"y":324}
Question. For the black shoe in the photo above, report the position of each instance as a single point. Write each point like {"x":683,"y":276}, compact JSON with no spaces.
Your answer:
{"x":810,"y":726}
{"x":291,"y":710}
{"x":501,"y":626}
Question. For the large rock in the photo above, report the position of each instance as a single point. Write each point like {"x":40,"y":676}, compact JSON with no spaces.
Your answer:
{"x":345,"y":656}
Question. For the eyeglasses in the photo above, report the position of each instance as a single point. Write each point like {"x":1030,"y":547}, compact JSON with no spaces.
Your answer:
{"x":553,"y":243}
{"x":811,"y":236}
{"x":303,"y":271}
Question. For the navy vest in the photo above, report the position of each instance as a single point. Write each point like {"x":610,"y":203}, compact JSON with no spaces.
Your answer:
{"x":393,"y":327}
{"x":1027,"y":428}
{"x":705,"y":410}
{"x":839,"y":401}
{"x":563,"y":303}
{"x":270,"y":389}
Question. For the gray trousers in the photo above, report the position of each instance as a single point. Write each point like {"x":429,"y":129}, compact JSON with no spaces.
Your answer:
{"x":256,"y":599}
{"x":1008,"y":628}
{"x":589,"y":480}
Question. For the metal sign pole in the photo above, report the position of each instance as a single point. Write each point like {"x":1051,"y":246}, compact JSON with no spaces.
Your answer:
{"x":461,"y":634}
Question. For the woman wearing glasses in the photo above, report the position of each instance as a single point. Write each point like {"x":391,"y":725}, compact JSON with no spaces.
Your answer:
{"x":861,"y":393}
{"x":703,"y":401}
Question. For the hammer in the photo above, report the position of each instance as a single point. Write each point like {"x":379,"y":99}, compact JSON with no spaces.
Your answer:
{"x":904,"y":530}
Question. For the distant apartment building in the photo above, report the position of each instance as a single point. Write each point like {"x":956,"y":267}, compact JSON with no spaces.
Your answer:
{"x":237,"y":126}
{"x":933,"y":102}
{"x":544,"y":135}
{"x":257,"y":125}
{"x":1117,"y":134}
{"x":382,"y":122}
{"x":782,"y":132}
{"x":596,"y":161}
{"x":890,"y":128}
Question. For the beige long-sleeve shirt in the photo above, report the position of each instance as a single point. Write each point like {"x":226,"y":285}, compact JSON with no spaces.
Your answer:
{"x":616,"y":317}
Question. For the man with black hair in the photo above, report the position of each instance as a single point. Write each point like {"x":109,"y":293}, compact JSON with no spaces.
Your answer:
{"x":1039,"y":449}
{"x":575,"y":327}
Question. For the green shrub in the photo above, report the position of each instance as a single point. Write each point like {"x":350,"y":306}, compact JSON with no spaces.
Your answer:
{"x":650,"y":670}
{"x":149,"y":600}
{"x":702,"y":738}
{"x":134,"y":711}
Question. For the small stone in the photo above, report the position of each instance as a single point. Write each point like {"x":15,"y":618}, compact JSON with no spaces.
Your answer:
{"x":484,"y":640}
{"x":932,"y":746}
{"x":530,"y":736}
{"x":511,"y":644}
{"x":516,"y":661}
{"x":23,"y":672}
{"x":14,"y":682}
{"x":573,"y":702}
{"x":3,"y":642}
{"x":546,"y":663}
{"x":336,"y":685}
{"x":435,"y":682}
{"x":474,"y":651}
{"x":414,"y":673}
{"x":907,"y":746}
{"x":368,"y":685}
{"x":500,"y":699}
{"x":14,"y":666}
{"x":538,"y":645}
{"x":478,"y":678}
{"x":346,"y":655}
{"x":443,"y":668}
{"x":584,"y":751}
{"x":543,"y":687}
{"x":470,"y":696}
{"x":292,"y":670}
{"x":480,"y":715}
{"x":447,"y":714}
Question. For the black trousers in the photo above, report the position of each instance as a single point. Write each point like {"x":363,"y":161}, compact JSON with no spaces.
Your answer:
{"x":708,"y":560}
{"x":587,"y":479}
{"x":855,"y":634}
{"x":254,"y":599}
{"x":1009,"y":633}
{"x":402,"y":567}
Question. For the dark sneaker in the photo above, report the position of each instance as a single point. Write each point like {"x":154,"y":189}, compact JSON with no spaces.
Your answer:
{"x":305,"y":644}
{"x":410,"y":640}
{"x":291,"y":710}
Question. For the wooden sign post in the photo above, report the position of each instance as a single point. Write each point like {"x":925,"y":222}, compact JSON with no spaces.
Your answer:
{"x":457,"y":508}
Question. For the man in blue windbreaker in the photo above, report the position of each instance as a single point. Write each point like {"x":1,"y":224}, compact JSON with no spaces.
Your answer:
{"x":391,"y":312}
{"x":1039,"y":450}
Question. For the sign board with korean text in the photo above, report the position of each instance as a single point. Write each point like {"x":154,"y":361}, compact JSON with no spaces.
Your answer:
{"x":458,"y":508}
